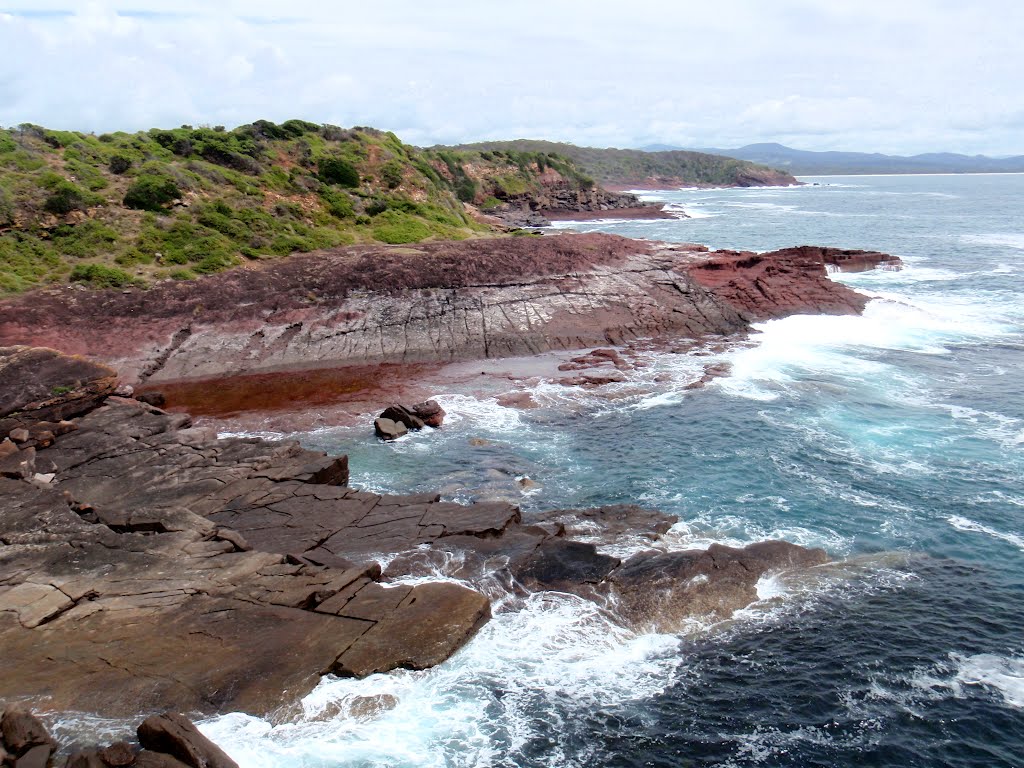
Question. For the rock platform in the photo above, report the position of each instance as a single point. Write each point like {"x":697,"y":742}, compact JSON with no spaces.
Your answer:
{"x":146,"y":564}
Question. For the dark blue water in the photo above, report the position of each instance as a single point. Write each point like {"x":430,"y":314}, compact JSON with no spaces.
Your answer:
{"x":894,"y":440}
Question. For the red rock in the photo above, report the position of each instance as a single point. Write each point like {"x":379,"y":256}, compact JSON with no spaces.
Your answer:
{"x":430,"y":412}
{"x":20,"y":465}
{"x":433,"y":622}
{"x":789,"y":281}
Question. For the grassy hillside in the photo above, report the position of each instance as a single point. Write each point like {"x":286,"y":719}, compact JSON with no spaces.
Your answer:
{"x":621,"y":167}
{"x":126,"y":209}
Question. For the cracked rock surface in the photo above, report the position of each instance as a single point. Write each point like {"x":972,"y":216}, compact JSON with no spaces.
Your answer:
{"x":435,"y":302}
{"x":146,"y":565}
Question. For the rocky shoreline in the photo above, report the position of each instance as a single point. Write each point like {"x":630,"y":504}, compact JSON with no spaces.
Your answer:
{"x":148,"y":565}
{"x":437,"y":302}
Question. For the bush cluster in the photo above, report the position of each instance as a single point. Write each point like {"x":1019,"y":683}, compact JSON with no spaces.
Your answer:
{"x":101,"y":276}
{"x":151,"y":193}
{"x":337,"y":170}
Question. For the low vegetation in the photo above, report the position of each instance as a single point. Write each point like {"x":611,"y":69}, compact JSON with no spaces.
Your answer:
{"x":126,"y":209}
{"x":632,"y":166}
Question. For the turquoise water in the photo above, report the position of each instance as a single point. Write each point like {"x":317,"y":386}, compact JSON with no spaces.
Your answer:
{"x":894,"y":440}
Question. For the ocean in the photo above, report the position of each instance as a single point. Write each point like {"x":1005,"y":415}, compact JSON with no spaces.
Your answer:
{"x":894,"y":440}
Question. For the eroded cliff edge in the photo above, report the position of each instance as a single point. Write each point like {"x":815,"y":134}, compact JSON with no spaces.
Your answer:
{"x":435,"y":302}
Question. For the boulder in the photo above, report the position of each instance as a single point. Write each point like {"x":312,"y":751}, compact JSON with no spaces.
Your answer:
{"x":175,"y":735}
{"x":430,"y":412}
{"x":402,"y":415}
{"x":36,"y":757}
{"x":22,"y":730}
{"x":85,"y":758}
{"x":117,"y":755}
{"x":660,"y":590}
{"x":148,"y":759}
{"x":386,"y":429}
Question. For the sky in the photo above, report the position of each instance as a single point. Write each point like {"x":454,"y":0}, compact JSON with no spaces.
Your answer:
{"x":899,"y":76}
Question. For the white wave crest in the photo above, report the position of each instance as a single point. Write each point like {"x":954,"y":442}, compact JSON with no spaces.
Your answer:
{"x":965,"y":524}
{"x":964,"y":674}
{"x":1001,"y":673}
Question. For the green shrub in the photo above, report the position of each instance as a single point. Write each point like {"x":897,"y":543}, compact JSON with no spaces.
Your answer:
{"x":396,"y":228}
{"x":102,"y":276}
{"x":338,"y":204}
{"x":491,"y":203}
{"x":215,"y":218}
{"x":376,"y":206}
{"x":336,"y":170}
{"x":182,"y":274}
{"x":7,"y":142}
{"x":391,"y":174}
{"x":90,"y":238}
{"x":87,"y":175}
{"x":6,"y":208}
{"x":119,"y":164}
{"x":151,"y":193}
{"x":67,"y":197}
{"x":296,"y":128}
{"x":215,"y":261}
{"x":465,"y":189}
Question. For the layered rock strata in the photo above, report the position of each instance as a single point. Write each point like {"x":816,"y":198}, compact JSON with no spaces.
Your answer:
{"x":146,"y":564}
{"x":434,"y":302}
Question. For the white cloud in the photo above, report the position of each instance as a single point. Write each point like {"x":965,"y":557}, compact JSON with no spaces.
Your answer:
{"x":911,"y":76}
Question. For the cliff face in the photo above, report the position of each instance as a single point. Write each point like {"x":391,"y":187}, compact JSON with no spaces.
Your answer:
{"x":439,"y":302}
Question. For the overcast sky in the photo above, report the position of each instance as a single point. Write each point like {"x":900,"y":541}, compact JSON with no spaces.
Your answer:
{"x":892,"y":76}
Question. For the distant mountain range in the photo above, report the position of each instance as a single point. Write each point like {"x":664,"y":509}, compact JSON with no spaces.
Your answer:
{"x":803,"y":163}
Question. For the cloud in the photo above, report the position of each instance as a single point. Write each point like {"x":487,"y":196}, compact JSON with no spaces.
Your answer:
{"x":912,"y":76}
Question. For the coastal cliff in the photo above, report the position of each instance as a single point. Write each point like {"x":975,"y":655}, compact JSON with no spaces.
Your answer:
{"x":436,"y":302}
